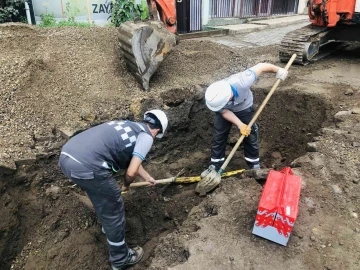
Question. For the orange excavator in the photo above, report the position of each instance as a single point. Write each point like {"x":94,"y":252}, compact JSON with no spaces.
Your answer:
{"x":333,"y":22}
{"x":145,"y":45}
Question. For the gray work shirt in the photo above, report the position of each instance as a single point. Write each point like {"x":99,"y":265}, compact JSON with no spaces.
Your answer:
{"x":110,"y":146}
{"x":241,"y":82}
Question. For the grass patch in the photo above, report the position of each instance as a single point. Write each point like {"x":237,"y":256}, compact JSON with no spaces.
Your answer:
{"x":48,"y":19}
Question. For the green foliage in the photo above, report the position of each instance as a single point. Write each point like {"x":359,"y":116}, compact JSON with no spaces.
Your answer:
{"x":144,"y":10}
{"x":12,"y":10}
{"x":127,"y":10}
{"x":48,"y":20}
{"x":109,"y":24}
{"x":74,"y":23}
{"x":71,"y":12}
{"x":23,"y":19}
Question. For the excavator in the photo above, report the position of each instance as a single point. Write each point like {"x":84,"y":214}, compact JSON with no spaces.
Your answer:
{"x":333,"y":24}
{"x":145,"y":45}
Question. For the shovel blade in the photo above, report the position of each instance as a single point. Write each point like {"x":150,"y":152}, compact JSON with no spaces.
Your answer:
{"x":208,"y":183}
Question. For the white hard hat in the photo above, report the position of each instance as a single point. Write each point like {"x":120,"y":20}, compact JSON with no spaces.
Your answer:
{"x":161,"y":117}
{"x":217,"y":95}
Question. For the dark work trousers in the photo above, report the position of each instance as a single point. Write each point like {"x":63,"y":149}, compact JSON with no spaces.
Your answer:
{"x":221,"y":132}
{"x":105,"y":194}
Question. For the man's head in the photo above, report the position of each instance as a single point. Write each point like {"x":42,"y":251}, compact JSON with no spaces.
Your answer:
{"x":217,"y":95}
{"x":157,"y":122}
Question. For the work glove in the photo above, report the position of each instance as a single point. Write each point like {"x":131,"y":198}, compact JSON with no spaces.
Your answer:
{"x":207,"y":171}
{"x":281,"y":74}
{"x":245,"y":130}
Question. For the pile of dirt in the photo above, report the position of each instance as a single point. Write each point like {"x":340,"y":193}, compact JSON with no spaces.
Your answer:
{"x":70,"y":78}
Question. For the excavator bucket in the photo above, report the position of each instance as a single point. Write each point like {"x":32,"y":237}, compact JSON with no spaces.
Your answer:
{"x":144,"y":46}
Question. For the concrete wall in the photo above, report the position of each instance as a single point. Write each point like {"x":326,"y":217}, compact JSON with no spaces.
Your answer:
{"x":205,"y":12}
{"x":98,"y":10}
{"x":357,"y":6}
{"x":302,"y":8}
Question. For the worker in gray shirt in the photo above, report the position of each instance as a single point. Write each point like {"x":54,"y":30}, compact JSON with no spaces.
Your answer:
{"x":91,"y":158}
{"x":232,"y":101}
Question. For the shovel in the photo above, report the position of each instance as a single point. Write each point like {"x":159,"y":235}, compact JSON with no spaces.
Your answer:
{"x":212,"y":179}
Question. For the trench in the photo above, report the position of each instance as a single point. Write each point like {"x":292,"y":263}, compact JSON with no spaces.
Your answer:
{"x":55,"y":224}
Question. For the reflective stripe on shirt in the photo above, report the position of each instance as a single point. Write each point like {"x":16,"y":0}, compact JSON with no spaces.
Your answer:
{"x":70,"y":156}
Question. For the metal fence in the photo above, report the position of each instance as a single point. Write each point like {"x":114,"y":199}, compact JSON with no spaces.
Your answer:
{"x":195,"y":15}
{"x":251,"y":8}
{"x":221,"y":8}
{"x":285,"y":7}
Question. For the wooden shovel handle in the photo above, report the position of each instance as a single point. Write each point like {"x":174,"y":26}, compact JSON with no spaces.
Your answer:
{"x":256,"y":115}
{"x":160,"y":181}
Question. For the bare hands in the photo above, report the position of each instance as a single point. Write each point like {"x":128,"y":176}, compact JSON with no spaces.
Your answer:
{"x":151,"y":180}
{"x":125,"y":188}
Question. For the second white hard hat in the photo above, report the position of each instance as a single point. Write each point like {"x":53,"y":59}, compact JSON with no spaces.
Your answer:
{"x":161,"y":117}
{"x":217,"y":95}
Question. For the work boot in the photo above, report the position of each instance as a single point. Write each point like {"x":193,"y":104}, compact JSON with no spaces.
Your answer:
{"x":127,"y":229}
{"x":207,"y":171}
{"x":135,"y":255}
{"x":255,"y":167}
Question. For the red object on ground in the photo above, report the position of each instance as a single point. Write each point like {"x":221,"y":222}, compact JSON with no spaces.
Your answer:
{"x":278,"y":206}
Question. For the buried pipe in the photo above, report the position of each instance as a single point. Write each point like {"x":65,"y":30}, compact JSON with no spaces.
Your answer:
{"x":182,"y":180}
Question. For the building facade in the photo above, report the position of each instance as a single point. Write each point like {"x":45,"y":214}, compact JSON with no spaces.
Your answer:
{"x":193,"y":15}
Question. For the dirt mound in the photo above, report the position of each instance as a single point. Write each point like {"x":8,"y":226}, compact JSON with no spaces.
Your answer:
{"x":69,"y":78}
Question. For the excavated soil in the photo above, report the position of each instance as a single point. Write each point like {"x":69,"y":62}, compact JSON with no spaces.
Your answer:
{"x":57,"y":82}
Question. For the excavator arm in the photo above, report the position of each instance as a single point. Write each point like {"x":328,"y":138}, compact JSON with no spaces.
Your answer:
{"x":167,"y":12}
{"x":145,"y":45}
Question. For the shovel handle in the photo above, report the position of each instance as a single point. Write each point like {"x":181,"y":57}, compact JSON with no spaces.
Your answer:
{"x":263,"y":104}
{"x":160,"y":181}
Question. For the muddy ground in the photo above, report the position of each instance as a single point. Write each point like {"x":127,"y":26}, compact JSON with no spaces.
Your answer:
{"x":58,"y":82}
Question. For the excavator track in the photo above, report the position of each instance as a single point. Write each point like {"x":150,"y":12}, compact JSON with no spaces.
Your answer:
{"x":305,"y":42}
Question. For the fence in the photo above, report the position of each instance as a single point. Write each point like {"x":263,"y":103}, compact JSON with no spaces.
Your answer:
{"x":195,"y":15}
{"x":251,"y":8}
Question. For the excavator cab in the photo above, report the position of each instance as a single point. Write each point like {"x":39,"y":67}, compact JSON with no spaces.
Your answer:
{"x":145,"y":45}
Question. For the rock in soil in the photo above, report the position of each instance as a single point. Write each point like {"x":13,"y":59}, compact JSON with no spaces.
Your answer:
{"x":349,"y":92}
{"x":311,"y":147}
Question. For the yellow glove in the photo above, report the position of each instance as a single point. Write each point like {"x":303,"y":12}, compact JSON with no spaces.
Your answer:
{"x":245,"y":130}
